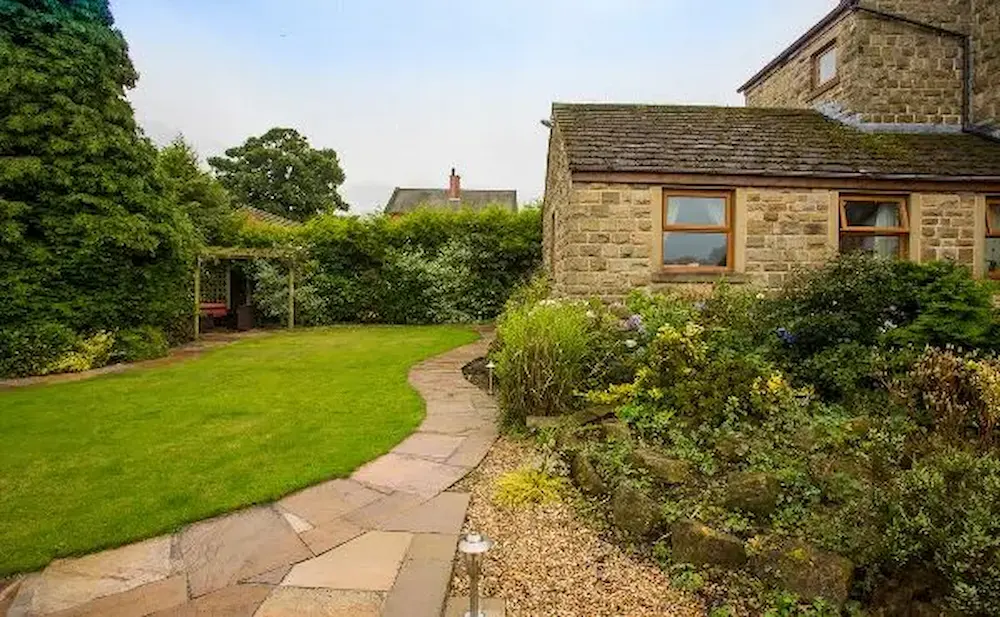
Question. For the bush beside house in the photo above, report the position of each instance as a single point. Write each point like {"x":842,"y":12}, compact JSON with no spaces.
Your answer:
{"x":834,"y":442}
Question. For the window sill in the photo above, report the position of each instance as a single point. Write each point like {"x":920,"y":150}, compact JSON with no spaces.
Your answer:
{"x":699,"y":277}
{"x":819,"y":91}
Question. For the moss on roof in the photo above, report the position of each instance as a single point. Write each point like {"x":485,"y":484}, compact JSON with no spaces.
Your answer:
{"x":746,"y":140}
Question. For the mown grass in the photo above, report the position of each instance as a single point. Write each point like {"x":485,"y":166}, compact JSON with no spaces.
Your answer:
{"x":99,"y":463}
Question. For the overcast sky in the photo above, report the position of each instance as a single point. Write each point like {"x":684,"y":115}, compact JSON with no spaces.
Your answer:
{"x":404,"y":90}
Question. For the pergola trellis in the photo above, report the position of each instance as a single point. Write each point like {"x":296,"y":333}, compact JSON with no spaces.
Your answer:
{"x":225,"y":253}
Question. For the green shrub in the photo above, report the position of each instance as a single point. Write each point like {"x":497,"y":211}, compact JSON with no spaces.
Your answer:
{"x":270,"y":293}
{"x":527,"y":486}
{"x":868,"y":301}
{"x":854,"y":298}
{"x":29,"y":349}
{"x":542,"y":359}
{"x":951,"y":308}
{"x":138,"y":344}
{"x":89,"y":353}
{"x":943,"y":513}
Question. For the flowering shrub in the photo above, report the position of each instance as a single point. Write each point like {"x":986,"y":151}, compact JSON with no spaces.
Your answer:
{"x":833,"y":411}
{"x":959,"y":395}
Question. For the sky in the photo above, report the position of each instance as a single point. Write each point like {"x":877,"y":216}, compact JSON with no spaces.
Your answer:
{"x":404,"y":90}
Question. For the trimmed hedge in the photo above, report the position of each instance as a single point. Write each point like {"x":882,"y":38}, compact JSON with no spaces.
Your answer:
{"x":425,"y":267}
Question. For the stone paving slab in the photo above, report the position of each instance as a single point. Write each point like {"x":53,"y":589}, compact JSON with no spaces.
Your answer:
{"x":420,"y":590}
{"x":71,"y":582}
{"x":381,"y":542}
{"x":271,"y":577}
{"x":409,"y":474}
{"x":236,"y":601}
{"x":369,"y":562}
{"x":444,"y":513}
{"x":136,"y":602}
{"x":473,"y":449}
{"x":429,"y":445}
{"x":329,"y":501}
{"x":375,"y":514}
{"x":297,"y":602}
{"x":331,"y":535}
{"x":222,"y":551}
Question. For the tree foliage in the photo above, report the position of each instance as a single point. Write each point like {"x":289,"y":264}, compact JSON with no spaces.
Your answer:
{"x":197,"y":192}
{"x":281,"y":173}
{"x":87,"y":238}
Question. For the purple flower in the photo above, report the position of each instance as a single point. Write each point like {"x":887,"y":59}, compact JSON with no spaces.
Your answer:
{"x":634,"y":322}
{"x":787,"y":337}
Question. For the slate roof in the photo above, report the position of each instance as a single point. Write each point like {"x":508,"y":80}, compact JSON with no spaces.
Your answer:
{"x":268,"y":217}
{"x":760,"y":141}
{"x":407,"y":200}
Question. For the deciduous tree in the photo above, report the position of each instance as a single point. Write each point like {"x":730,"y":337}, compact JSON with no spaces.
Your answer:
{"x":281,"y":173}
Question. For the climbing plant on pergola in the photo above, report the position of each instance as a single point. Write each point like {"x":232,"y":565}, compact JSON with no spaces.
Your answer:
{"x":226,"y":253}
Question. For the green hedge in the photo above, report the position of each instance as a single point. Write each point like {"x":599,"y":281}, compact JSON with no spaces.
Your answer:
{"x":425,"y":267}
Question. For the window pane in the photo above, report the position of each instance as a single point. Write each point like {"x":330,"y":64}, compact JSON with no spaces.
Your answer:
{"x":827,"y":65}
{"x":883,"y":246}
{"x":696,"y":211}
{"x":993,"y":254}
{"x":695,"y":249}
{"x":873,"y":214}
{"x":993,"y":216}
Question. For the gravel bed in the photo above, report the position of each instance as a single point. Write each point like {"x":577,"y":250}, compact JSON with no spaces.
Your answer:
{"x":549,"y":562}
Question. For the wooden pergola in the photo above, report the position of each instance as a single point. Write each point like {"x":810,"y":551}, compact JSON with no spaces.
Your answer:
{"x":226,"y":253}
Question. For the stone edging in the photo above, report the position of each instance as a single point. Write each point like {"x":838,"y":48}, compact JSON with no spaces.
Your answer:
{"x":380,"y":543}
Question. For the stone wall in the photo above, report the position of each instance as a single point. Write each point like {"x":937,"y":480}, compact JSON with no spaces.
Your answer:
{"x":556,"y":203}
{"x":891,"y":72}
{"x":786,"y":228}
{"x":905,"y":75}
{"x":608,"y":241}
{"x":605,"y":238}
{"x":948,"y":14}
{"x":791,"y":85}
{"x":986,"y":52}
{"x":948,"y":227}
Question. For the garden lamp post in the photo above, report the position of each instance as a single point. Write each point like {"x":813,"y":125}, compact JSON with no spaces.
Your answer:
{"x":474,"y":547}
{"x":489,"y":369}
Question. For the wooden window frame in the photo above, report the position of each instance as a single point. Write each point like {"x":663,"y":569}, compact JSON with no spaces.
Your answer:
{"x":991,"y":233}
{"x":822,"y":86}
{"x":902,"y":232}
{"x":727,"y":228}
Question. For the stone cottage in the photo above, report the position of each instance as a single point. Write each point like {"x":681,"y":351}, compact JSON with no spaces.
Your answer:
{"x":878,"y":130}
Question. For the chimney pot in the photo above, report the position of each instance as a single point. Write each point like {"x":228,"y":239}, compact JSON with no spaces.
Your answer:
{"x":455,"y":187}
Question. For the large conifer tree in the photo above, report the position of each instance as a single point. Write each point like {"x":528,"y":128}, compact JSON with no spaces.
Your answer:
{"x":87,"y":237}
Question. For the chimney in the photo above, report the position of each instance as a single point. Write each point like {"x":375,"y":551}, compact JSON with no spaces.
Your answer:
{"x":454,"y":187}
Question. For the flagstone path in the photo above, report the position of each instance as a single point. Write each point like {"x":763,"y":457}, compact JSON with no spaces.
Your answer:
{"x":377,"y":544}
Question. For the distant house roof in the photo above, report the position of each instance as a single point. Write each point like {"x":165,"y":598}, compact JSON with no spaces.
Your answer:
{"x":267,"y":217}
{"x":407,"y":200}
{"x":759,"y":141}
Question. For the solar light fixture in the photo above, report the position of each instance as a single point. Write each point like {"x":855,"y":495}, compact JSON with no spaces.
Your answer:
{"x":474,"y":547}
{"x":489,"y":369}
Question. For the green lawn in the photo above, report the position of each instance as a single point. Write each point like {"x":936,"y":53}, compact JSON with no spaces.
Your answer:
{"x":102,"y":462}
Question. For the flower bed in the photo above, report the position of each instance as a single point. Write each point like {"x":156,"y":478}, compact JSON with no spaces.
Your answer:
{"x":828,"y":449}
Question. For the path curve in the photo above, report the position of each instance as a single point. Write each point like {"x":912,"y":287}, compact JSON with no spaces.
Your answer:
{"x":378,"y":544}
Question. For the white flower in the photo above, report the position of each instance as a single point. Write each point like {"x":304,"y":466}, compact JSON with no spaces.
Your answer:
{"x":591,"y":314}
{"x":631,"y":343}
